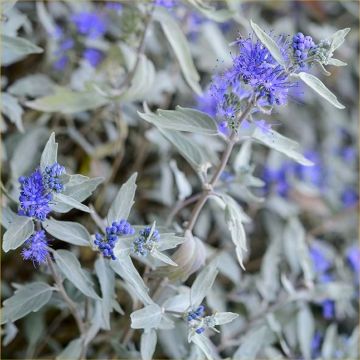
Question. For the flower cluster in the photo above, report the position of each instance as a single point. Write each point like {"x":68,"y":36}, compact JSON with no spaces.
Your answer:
{"x":194,"y":319}
{"x":169,"y":4}
{"x":90,"y":24}
{"x":36,"y":248}
{"x":51,"y":177}
{"x":36,"y":191}
{"x":322,"y":266}
{"x":146,"y":241}
{"x":34,"y":197}
{"x":301,"y":46}
{"x":106,"y":243}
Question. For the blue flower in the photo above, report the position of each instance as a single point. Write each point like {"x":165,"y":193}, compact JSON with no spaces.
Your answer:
{"x":277,"y":179}
{"x":93,"y":56}
{"x":256,"y":67}
{"x":61,"y":63}
{"x":114,"y":5}
{"x":321,"y":263}
{"x":301,"y":45}
{"x":315,"y":344}
{"x":349,"y":197}
{"x":169,"y":4}
{"x":353,"y":257}
{"x":36,"y":248}
{"x":34,"y":197}
{"x":106,"y":243}
{"x":51,"y":177}
{"x":90,"y":24}
{"x":143,"y":244}
{"x":328,"y":309}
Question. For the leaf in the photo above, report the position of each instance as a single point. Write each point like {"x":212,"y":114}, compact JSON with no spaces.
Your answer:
{"x":45,"y":19}
{"x":71,"y":351}
{"x":305,"y":330}
{"x":68,"y":102}
{"x":336,"y":62}
{"x":182,"y":183}
{"x":68,"y":200}
{"x":162,"y":257}
{"x":7,"y":217}
{"x":206,"y":346}
{"x":269,"y":43}
{"x":71,"y":232}
{"x":329,"y":343}
{"x":182,"y":119}
{"x":107,"y":284}
{"x":121,"y":206}
{"x":20,"y":229}
{"x":28,"y":298}
{"x":222,"y":318}
{"x":71,"y":268}
{"x":169,"y":241}
{"x":126,"y":269}
{"x":338,"y":38}
{"x":12,"y":109}
{"x":203,"y":284}
{"x":49,"y":154}
{"x":180,"y":46}
{"x":317,"y":85}
{"x":10,"y":332}
{"x":148,"y":344}
{"x":253,"y":342}
{"x":211,"y":12}
{"x":147,"y":317}
{"x":192,"y":152}
{"x":234,"y":218}
{"x":15,"y":49}
{"x":32,"y":85}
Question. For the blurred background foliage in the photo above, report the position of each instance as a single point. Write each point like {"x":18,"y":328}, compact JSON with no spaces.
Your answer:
{"x":112,"y":141}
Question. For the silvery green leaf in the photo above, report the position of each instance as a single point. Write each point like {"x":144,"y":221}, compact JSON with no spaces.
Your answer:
{"x":147,"y":317}
{"x":126,"y":269}
{"x":243,"y":156}
{"x":229,"y":267}
{"x":32,"y":85}
{"x":206,"y":346}
{"x":305,"y":330}
{"x":203,"y":284}
{"x":7,"y":217}
{"x":68,"y":200}
{"x":20,"y":229}
{"x":10,"y":332}
{"x":169,"y":241}
{"x":67,"y":101}
{"x":338,"y":38}
{"x":182,"y":119}
{"x":222,"y":318}
{"x":190,"y":150}
{"x":15,"y":49}
{"x":148,"y":344}
{"x":107,"y":284}
{"x":123,"y":248}
{"x":12,"y":109}
{"x":71,"y":232}
{"x":121,"y":206}
{"x":49,"y":154}
{"x":286,"y":146}
{"x":234,"y":219}
{"x":71,"y":351}
{"x":334,"y":290}
{"x":28,"y":298}
{"x":182,"y":183}
{"x":336,"y":62}
{"x":162,"y":257}
{"x":253,"y":342}
{"x":269,"y":43}
{"x":219,"y":15}
{"x":45,"y":18}
{"x":8,"y":5}
{"x":317,"y":85}
{"x":329,"y":344}
{"x":297,"y":249}
{"x":179,"y":303}
{"x":353,"y":344}
{"x":81,"y":187}
{"x":71,"y":268}
{"x":180,"y":46}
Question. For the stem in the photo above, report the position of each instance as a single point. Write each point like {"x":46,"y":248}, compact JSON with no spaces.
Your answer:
{"x":223,"y":162}
{"x":65,"y":296}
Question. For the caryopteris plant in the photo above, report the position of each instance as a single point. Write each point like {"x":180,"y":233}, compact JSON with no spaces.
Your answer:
{"x":171,"y":283}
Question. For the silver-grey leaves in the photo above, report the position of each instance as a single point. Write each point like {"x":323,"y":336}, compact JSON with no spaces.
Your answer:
{"x":182,"y":119}
{"x":49,"y":154}
{"x":27,"y":298}
{"x":20,"y":229}
{"x":121,"y":206}
{"x":147,"y":317}
{"x":305,"y":330}
{"x":147,"y":344}
{"x":71,"y":268}
{"x":318,"y":86}
{"x":70,"y":202}
{"x":71,"y":232}
{"x":268,"y":42}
